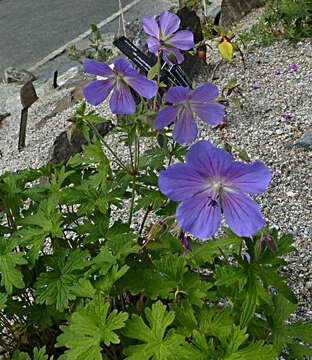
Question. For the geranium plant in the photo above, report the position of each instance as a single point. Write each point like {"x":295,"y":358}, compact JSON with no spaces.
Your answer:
{"x":126,"y":259}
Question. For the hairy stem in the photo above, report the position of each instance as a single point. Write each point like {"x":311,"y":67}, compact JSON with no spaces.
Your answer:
{"x":118,"y":160}
{"x":158,"y":82}
{"x":149,"y":209}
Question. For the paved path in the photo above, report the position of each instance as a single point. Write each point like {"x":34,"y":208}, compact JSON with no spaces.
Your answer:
{"x":31,"y":29}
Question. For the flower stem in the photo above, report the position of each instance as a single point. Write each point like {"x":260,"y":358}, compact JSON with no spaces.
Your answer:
{"x":100,"y":137}
{"x":132,"y":200}
{"x":158,"y":82}
{"x":222,"y":253}
{"x":149,"y":209}
{"x":134,"y":172}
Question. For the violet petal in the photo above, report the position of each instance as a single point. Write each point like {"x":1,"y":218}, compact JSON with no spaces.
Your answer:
{"x":183,"y":40}
{"x":177,"y":94}
{"x":210,"y":113}
{"x":180,"y":182}
{"x":142,"y":85}
{"x":169,"y":23}
{"x":185,"y":129}
{"x":124,"y":67}
{"x":97,"y":91}
{"x":153,"y":45}
{"x":165,"y":117}
{"x":150,"y":26}
{"x":198,"y":216}
{"x":172,"y":56}
{"x":251,"y":178}
{"x":97,"y":68}
{"x":121,"y":101}
{"x":205,"y":93}
{"x":208,"y":160}
{"x":241,"y":213}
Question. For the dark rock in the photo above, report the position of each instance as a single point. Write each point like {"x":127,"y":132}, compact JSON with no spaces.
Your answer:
{"x":306,"y":140}
{"x":232,"y":11}
{"x":28,"y":94}
{"x":12,"y":74}
{"x":190,"y":21}
{"x":62,"y":150}
{"x":192,"y":64}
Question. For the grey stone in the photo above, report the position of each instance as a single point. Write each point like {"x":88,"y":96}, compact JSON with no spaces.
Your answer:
{"x":306,"y":140}
{"x":234,"y":10}
{"x":62,"y":150}
{"x":12,"y":74}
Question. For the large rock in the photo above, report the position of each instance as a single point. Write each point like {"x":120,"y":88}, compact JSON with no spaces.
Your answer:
{"x":233,"y":10}
{"x":62,"y":150}
{"x":12,"y":74}
{"x":306,"y":140}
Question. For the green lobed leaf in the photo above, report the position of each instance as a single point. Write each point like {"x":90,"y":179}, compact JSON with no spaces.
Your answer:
{"x":37,"y":355}
{"x":214,"y":321}
{"x":250,"y":302}
{"x":56,"y":285}
{"x":9,"y":269}
{"x":300,"y":330}
{"x":88,"y":328}
{"x":157,"y":344}
{"x":298,"y":351}
{"x":269,"y":276}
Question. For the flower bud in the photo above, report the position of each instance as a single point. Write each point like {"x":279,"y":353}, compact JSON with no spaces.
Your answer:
{"x":264,"y":241}
{"x":260,"y":247}
{"x":271,"y":243}
{"x":183,"y":241}
{"x":156,"y":231}
{"x":71,"y":132}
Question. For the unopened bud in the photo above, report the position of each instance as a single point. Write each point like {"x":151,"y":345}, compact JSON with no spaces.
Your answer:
{"x":156,"y":231}
{"x":260,"y":247}
{"x":246,"y":256}
{"x":172,"y":57}
{"x":265,"y":241}
{"x":71,"y":131}
{"x":184,"y":241}
{"x":271,"y":243}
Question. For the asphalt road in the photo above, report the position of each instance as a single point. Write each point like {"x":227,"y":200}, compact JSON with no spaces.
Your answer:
{"x":31,"y":29}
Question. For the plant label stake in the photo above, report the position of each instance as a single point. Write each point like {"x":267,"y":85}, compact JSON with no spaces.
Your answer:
{"x":171,"y":75}
{"x":28,"y":97}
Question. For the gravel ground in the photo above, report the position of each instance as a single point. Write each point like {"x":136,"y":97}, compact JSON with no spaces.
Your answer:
{"x":259,"y":128}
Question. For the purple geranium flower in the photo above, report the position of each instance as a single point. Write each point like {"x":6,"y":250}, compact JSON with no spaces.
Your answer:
{"x":165,"y":40}
{"x":277,"y":73}
{"x":118,"y":80}
{"x":186,"y":103}
{"x":211,"y":183}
